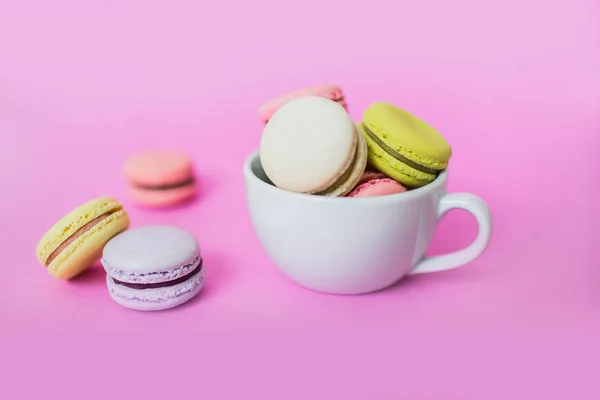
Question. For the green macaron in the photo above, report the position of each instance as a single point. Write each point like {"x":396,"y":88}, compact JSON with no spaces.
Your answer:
{"x":403,"y":146}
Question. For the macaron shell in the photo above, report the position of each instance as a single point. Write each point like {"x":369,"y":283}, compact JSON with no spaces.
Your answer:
{"x":357,"y":169}
{"x":308,"y":144}
{"x":394,"y":168}
{"x":149,"y":249}
{"x":370,"y":175}
{"x":87,"y":248}
{"x":70,"y":223}
{"x":161,"y":198}
{"x":332,"y":92}
{"x":408,"y":135}
{"x":158,"y":167}
{"x":378,"y":187}
{"x":156,"y":299}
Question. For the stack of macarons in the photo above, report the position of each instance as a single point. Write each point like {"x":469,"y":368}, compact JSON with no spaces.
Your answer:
{"x":310,"y":145}
{"x":149,"y":267}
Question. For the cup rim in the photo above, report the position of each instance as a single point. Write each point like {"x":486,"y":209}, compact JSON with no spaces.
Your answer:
{"x":405,"y":196}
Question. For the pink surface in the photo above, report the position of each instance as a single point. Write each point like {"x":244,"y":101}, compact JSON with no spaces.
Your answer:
{"x":513,"y":85}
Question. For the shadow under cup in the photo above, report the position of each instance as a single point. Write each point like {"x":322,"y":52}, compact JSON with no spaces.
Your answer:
{"x":343,"y":245}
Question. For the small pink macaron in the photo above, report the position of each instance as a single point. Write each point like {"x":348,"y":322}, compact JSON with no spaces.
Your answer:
{"x":376,"y":184}
{"x":160,"y":178}
{"x":331,"y":92}
{"x":370,"y":175}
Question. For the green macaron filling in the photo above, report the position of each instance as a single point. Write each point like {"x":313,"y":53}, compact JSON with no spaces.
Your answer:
{"x":395,"y":154}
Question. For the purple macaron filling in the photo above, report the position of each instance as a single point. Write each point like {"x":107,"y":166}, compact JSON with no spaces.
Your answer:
{"x":141,"y":286}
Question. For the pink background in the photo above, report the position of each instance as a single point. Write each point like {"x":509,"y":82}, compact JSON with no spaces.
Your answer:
{"x":513,"y":85}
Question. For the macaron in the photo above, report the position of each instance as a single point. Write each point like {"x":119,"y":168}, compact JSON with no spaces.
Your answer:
{"x":311,"y":145}
{"x":370,"y":175}
{"x":153,"y":267}
{"x":76,"y":241}
{"x":331,"y":92}
{"x":402,"y":146}
{"x":374,"y":184}
{"x":160,"y":178}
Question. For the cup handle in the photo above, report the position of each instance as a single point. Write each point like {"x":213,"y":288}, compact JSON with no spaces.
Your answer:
{"x":479,"y":209}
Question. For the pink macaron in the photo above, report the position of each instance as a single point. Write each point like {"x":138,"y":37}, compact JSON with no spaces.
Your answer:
{"x":370,"y":175}
{"x":331,"y":92}
{"x":376,"y":184}
{"x":160,"y":178}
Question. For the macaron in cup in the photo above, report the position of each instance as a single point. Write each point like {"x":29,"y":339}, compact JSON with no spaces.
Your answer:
{"x":403,"y":146}
{"x":331,"y":92}
{"x":376,"y":184}
{"x":153,"y":267}
{"x":311,"y":145}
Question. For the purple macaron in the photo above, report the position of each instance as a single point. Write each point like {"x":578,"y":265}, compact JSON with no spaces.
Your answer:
{"x":153,"y":267}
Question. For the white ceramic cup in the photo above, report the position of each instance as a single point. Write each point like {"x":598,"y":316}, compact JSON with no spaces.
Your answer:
{"x":344,"y":245}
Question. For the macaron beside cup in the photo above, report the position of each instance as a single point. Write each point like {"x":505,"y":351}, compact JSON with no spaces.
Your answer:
{"x":153,"y":268}
{"x":76,"y":241}
{"x":160,"y":178}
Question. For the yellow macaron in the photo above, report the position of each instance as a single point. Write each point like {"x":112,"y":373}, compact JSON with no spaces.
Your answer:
{"x":403,"y":146}
{"x":76,"y":241}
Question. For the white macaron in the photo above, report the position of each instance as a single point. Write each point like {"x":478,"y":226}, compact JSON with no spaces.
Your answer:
{"x":311,"y":145}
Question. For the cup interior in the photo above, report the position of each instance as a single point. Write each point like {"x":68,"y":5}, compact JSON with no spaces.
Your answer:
{"x":253,"y":169}
{"x":257,"y":169}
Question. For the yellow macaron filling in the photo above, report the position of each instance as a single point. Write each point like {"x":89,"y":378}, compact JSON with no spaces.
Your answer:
{"x":71,"y":223}
{"x":82,"y":251}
